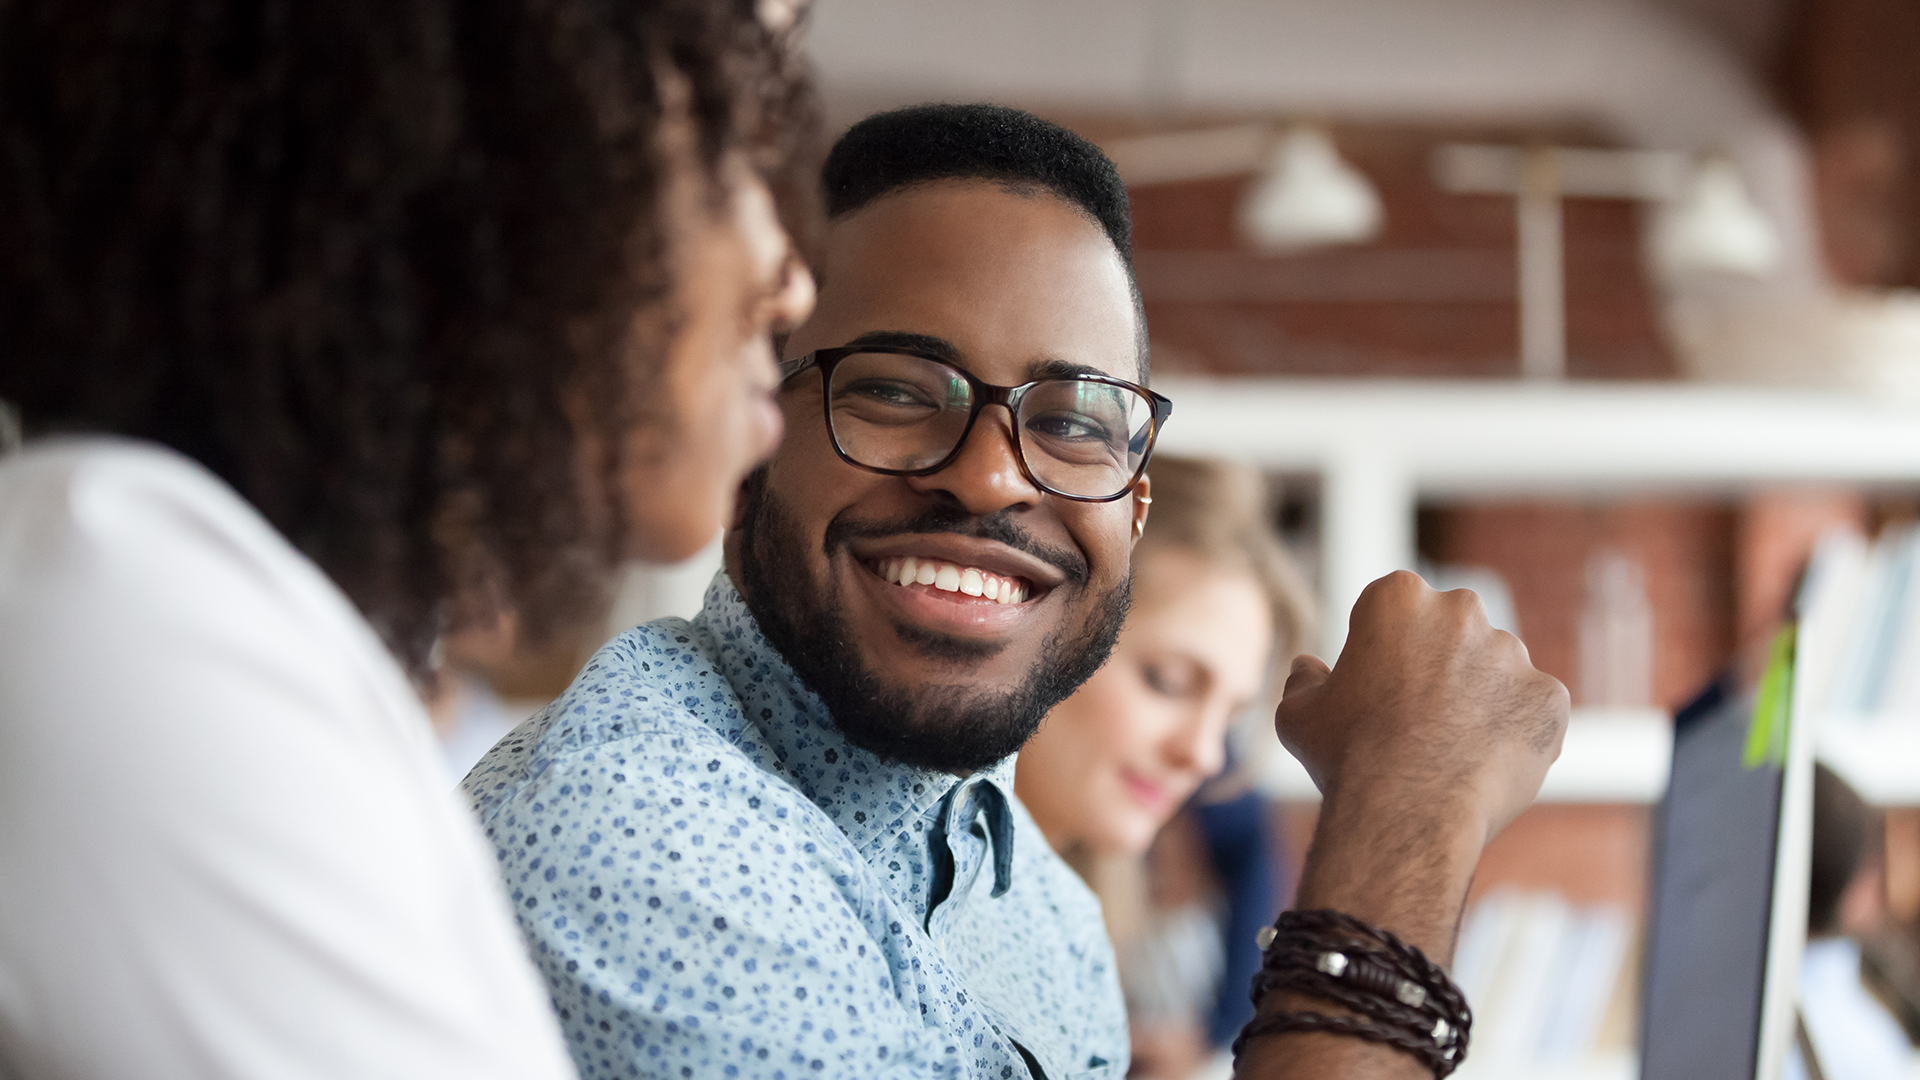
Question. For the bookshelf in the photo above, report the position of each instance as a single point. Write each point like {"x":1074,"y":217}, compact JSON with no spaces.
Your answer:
{"x":1378,"y":447}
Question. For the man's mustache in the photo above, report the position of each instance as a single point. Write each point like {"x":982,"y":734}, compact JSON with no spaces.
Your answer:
{"x":998,"y":527}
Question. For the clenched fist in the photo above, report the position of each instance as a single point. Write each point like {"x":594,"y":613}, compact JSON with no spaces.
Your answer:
{"x":1430,"y":734}
{"x":1429,"y":710}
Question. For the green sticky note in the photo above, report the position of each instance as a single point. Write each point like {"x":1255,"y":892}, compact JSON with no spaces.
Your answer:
{"x":1773,"y":711}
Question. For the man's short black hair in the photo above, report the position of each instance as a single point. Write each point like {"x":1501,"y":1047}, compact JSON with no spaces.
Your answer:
{"x":923,"y":143}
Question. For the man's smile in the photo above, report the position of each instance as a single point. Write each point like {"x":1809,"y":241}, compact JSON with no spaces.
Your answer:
{"x":960,"y":567}
{"x":950,"y":584}
{"x":942,"y":576}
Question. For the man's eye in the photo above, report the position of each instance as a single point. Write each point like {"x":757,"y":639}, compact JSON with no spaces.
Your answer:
{"x":1070,"y":427}
{"x":888,"y":393}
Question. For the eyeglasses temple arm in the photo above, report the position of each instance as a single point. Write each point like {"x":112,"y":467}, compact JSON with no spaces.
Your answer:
{"x":789,"y":368}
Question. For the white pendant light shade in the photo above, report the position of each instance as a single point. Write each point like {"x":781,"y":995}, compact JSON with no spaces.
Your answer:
{"x":1308,"y":197}
{"x":1716,"y":228}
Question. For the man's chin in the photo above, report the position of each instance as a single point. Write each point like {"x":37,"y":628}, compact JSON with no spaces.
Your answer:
{"x":943,"y":702}
{"x":951,"y":728}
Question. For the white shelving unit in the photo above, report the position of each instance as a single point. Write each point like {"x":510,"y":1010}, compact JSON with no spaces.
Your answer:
{"x":1610,"y":756}
{"x":1379,"y":447}
{"x":1623,"y":756}
{"x":1880,"y":759}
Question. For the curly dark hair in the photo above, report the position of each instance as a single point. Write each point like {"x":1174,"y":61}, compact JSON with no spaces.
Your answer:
{"x":356,"y":256}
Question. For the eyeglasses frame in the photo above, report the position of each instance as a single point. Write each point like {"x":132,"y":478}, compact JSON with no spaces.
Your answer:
{"x":984,"y":394}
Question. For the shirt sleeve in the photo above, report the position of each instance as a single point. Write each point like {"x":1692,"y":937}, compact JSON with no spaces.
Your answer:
{"x":228,"y":852}
{"x":689,"y":926}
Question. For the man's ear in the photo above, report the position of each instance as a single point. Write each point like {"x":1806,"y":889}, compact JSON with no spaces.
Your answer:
{"x":1142,"y":500}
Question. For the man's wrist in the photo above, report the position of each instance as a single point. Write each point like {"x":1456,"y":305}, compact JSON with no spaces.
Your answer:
{"x":1402,"y":868}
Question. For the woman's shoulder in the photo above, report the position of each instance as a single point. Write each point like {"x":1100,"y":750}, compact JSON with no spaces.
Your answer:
{"x":105,"y":497}
{"x":214,"y":747}
{"x":114,"y":547}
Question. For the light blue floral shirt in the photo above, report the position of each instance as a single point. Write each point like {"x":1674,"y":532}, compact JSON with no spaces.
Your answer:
{"x":715,"y":883}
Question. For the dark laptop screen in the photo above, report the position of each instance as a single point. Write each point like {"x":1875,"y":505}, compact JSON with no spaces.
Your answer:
{"x":1715,"y":839}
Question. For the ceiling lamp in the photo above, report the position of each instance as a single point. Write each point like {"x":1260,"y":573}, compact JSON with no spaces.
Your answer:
{"x":1714,"y":226}
{"x":1308,"y":197}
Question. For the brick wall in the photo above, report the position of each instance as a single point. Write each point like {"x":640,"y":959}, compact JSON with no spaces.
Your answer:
{"x":1541,"y":547}
{"x":1433,"y":296}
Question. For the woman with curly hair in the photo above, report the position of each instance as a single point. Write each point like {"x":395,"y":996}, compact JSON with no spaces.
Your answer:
{"x":335,"y":328}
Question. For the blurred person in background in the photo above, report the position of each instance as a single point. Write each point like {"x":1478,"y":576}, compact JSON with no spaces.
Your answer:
{"x":1215,"y":600}
{"x":337,"y":329}
{"x":1854,"y":1034}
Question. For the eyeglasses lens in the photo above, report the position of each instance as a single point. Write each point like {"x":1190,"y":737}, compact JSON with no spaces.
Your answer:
{"x":898,"y":412}
{"x":1080,"y":437}
{"x":1084,"y":438}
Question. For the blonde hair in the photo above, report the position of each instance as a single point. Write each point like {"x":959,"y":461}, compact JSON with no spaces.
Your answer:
{"x":1220,"y":512}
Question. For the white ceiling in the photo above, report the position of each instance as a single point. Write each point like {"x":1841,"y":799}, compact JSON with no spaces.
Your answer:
{"x":1667,"y":74}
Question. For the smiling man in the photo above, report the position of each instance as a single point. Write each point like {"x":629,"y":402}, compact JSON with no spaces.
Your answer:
{"x":781,"y":841}
{"x":940,"y":549}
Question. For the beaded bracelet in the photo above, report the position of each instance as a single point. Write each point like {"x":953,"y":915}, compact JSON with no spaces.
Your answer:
{"x":1400,"y":997}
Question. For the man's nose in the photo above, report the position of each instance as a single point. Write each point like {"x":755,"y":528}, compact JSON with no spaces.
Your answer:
{"x":986,"y":476}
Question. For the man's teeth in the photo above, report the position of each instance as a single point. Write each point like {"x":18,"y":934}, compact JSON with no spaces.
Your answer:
{"x":950,"y":577}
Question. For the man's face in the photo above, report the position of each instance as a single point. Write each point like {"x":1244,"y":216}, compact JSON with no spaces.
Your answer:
{"x":1009,"y":286}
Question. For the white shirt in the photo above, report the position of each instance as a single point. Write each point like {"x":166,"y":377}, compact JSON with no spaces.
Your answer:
{"x":227,"y":843}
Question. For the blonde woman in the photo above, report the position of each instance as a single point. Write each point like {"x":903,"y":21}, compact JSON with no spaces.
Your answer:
{"x":1215,"y":600}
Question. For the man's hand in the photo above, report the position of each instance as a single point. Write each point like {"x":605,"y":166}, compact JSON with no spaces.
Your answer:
{"x":1430,"y":734}
{"x":1429,"y":711}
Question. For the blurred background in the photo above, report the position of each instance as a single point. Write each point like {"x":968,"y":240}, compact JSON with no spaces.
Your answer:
{"x":1603,"y":308}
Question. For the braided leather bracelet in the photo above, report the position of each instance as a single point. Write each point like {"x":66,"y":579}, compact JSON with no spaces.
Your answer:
{"x":1400,"y":997}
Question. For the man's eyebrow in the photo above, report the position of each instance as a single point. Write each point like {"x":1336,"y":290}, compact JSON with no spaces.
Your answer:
{"x":1056,"y":369}
{"x":948,"y":353}
{"x":926,"y":344}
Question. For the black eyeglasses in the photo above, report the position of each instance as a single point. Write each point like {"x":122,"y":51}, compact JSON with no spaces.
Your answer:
{"x":895,"y":411}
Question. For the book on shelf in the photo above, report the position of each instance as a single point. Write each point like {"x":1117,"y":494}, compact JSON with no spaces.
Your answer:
{"x":1864,"y":598}
{"x":1540,"y":974}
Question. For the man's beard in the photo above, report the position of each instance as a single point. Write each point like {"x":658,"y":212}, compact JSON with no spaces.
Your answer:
{"x":938,"y":727}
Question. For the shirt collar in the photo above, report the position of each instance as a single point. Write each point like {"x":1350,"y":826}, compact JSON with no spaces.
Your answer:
{"x":870,"y":799}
